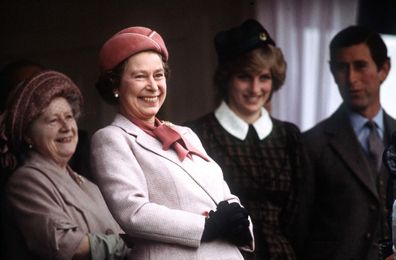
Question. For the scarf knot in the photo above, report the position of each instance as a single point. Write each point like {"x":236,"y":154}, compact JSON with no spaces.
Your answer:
{"x":170,"y":138}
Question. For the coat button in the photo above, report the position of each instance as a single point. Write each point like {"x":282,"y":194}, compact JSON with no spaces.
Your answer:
{"x":368,"y":235}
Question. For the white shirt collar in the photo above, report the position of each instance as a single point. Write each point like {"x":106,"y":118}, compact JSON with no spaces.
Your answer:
{"x":235,"y":126}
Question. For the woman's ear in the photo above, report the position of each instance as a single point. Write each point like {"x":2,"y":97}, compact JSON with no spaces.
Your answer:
{"x":116,"y":93}
{"x":27,"y":139}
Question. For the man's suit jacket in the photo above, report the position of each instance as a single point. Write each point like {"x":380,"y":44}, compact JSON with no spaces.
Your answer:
{"x":345,"y":205}
{"x":155,"y":197}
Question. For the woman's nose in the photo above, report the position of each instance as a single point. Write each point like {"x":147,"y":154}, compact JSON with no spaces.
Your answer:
{"x":152,"y":84}
{"x":255,"y":86}
{"x":66,"y":125}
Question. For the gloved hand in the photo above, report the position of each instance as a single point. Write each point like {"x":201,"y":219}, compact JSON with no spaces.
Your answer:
{"x":238,"y":232}
{"x":225,"y":222}
{"x":240,"y":235}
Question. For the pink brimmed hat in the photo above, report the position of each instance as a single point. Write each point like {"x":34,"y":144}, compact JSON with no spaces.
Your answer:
{"x":128,"y":42}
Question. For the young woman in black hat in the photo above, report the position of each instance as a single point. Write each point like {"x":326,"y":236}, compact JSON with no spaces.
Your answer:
{"x":260,"y":155}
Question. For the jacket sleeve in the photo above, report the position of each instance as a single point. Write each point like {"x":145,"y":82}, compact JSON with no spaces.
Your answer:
{"x":48,"y":232}
{"x":124,"y":186}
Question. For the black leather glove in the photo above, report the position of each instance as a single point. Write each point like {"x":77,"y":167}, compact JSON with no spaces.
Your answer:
{"x":224,"y":221}
{"x":238,"y":231}
{"x":240,"y":235}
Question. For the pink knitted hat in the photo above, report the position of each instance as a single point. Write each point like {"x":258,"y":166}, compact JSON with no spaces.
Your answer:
{"x":129,"y":42}
{"x":31,"y":97}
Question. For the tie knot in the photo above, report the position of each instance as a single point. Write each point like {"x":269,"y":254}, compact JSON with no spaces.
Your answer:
{"x":371,"y":125}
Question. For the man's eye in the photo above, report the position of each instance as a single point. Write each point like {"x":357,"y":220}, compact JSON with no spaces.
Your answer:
{"x":340,"y":67}
{"x":360,"y":65}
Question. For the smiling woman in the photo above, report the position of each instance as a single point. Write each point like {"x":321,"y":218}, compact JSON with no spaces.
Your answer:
{"x":142,"y":88}
{"x":54,"y":132}
{"x":52,"y":212}
{"x":159,"y":183}
{"x":260,"y":156}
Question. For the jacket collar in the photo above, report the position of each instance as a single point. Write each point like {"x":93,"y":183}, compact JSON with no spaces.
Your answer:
{"x":149,"y":142}
{"x":235,"y":126}
{"x":65,"y":181}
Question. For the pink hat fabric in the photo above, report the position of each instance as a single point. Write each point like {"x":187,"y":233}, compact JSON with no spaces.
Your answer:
{"x":32,"y":96}
{"x":128,"y":42}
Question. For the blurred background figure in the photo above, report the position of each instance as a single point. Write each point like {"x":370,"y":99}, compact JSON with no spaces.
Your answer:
{"x":12,"y":74}
{"x":389,"y":160}
{"x":159,"y":183}
{"x":51,"y":211}
{"x":260,"y":155}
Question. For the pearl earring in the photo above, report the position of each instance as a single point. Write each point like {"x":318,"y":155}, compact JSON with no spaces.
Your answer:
{"x":30,"y":146}
{"x":116,"y":95}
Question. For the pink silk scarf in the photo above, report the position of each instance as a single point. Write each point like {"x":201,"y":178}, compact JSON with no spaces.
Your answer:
{"x":169,"y":138}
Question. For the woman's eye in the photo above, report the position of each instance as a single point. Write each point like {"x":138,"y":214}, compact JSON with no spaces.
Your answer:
{"x":159,"y":76}
{"x":139,"y":76}
{"x":52,"y":121}
{"x":265,"y":77}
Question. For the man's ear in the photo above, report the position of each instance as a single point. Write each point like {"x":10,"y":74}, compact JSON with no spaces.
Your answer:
{"x":384,"y":70}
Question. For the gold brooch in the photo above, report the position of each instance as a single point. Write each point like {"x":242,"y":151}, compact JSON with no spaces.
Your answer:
{"x":79,"y":179}
{"x":167,"y":123}
{"x":263,"y":36}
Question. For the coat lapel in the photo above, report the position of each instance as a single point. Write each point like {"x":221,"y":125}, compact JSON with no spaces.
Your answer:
{"x":343,"y":140}
{"x":67,"y":187}
{"x":146,"y":141}
{"x":153,"y":145}
{"x":390,"y":126}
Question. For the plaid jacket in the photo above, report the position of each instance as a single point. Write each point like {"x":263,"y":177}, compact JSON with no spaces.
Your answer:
{"x":264,"y":174}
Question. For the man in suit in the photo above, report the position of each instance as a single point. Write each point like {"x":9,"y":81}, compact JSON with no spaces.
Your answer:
{"x":350,"y":190}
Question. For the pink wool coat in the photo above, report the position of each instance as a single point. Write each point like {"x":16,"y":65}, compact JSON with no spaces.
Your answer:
{"x":51,"y":211}
{"x":155,"y":197}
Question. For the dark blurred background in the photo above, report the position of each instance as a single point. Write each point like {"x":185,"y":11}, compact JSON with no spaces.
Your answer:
{"x":67,"y":36}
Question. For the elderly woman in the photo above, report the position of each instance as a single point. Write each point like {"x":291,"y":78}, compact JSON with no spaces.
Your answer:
{"x":54,"y":213}
{"x":160,"y":185}
{"x":260,"y":155}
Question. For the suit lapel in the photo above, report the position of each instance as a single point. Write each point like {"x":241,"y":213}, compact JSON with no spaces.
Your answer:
{"x":390,"y":127}
{"x":343,"y":140}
